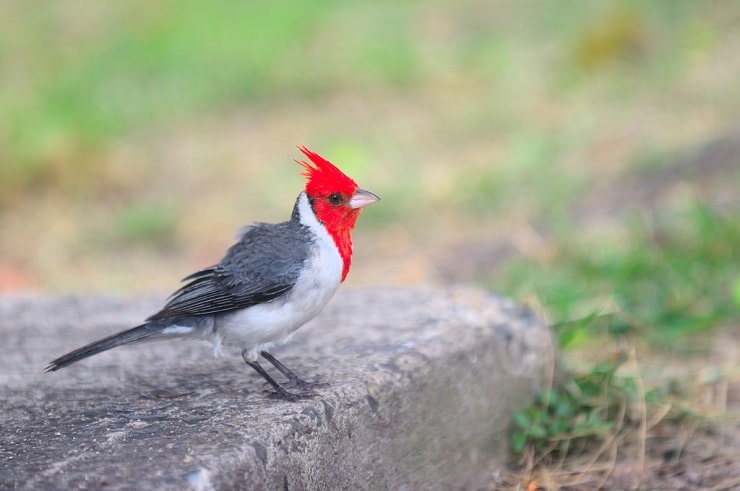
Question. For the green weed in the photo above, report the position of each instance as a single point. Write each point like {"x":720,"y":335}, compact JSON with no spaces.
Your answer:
{"x":668,"y":278}
{"x":586,"y":409}
{"x":677,"y":277}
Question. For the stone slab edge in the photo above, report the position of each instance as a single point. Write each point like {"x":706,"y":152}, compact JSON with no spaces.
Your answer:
{"x":422,"y":386}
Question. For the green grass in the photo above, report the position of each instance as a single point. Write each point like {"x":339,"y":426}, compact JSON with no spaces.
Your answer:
{"x":587,"y":408}
{"x":668,"y":278}
{"x":153,"y":223}
{"x":666,"y":282}
{"x":78,"y":77}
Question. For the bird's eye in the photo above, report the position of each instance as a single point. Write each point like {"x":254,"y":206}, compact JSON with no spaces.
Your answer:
{"x":335,"y":198}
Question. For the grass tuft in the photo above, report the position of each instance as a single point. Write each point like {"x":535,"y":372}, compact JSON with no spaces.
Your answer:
{"x":671,"y":276}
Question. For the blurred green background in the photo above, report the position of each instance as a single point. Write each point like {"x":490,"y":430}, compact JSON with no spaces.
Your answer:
{"x":582,"y":156}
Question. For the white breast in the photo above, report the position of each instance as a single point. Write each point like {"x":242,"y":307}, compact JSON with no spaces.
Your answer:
{"x":259,"y":327}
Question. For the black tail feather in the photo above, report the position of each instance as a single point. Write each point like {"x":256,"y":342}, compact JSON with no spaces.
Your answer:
{"x":125,"y":337}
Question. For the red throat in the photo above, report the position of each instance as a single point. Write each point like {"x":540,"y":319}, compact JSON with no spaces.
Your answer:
{"x":340,"y":228}
{"x":324,"y":179}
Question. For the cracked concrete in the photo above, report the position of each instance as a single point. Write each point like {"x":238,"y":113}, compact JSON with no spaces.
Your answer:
{"x":422,"y":383}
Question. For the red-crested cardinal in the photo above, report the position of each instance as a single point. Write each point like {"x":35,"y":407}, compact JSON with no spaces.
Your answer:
{"x":274,"y":279}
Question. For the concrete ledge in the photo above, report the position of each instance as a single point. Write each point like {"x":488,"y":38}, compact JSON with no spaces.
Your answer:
{"x":422,"y":386}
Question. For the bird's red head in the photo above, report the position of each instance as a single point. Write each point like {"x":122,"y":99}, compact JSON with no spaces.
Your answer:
{"x":324,"y":178}
{"x":336,"y":200}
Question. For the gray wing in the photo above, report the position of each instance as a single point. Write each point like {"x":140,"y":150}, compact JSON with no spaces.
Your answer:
{"x":262,"y":266}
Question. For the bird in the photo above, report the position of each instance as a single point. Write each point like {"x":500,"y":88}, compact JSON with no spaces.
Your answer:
{"x":271,"y":281}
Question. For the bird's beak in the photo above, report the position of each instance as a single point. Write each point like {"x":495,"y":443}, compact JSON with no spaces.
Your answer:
{"x":362,"y":198}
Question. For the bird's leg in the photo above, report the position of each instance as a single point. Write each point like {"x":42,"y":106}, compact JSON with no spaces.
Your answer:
{"x":292,"y":377}
{"x":280,"y":391}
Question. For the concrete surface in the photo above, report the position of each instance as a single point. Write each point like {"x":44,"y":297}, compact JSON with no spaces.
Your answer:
{"x":422,"y":386}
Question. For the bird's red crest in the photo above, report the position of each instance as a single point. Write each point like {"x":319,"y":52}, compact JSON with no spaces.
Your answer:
{"x":323,"y":177}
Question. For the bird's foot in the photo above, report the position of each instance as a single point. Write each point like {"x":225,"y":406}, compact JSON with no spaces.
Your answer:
{"x":303,"y":390}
